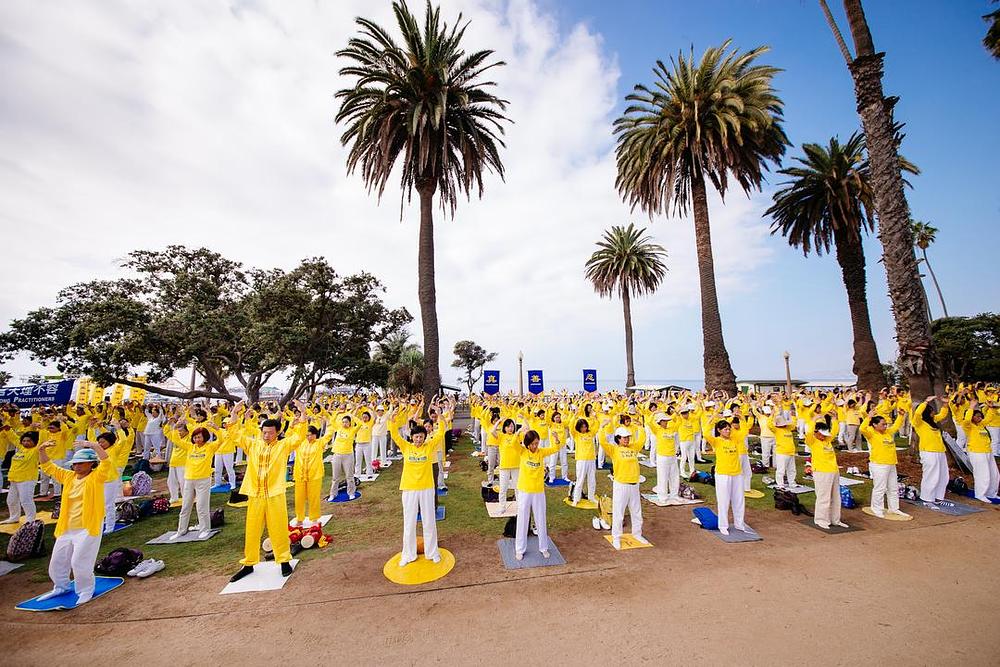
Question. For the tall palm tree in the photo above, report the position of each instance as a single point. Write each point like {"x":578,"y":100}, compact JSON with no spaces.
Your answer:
{"x":626,"y":263}
{"x":923,"y":235}
{"x":992,"y":39}
{"x":423,"y":103}
{"x":830,"y":199}
{"x":909,"y":302}
{"x":712,"y":120}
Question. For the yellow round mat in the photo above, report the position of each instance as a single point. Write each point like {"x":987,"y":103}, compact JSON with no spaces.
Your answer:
{"x":888,"y":516}
{"x":584,"y":504}
{"x":420,"y":571}
{"x":753,"y":493}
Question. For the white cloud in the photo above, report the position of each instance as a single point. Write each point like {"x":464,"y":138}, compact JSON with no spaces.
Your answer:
{"x":135,"y":126}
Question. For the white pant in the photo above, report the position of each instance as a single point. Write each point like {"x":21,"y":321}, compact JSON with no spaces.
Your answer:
{"x":175,"y":482}
{"x":651,"y":446}
{"x":687,"y":457}
{"x":934,"y":480}
{"x":699,"y":440}
{"x":962,"y":439}
{"x":994,"y":432}
{"x":199,"y":492}
{"x":152,"y":445}
{"x":343,"y":468}
{"x":440,"y":471}
{"x":111,"y":491}
{"x":984,"y":475}
{"x":56,"y":486}
{"x":227,"y":461}
{"x":556,"y":460}
{"x":76,"y":551}
{"x":379,"y":450}
{"x":827,"y":509}
{"x":21,"y":495}
{"x":729,"y":494}
{"x":622,"y":496}
{"x":423,"y":501}
{"x":766,"y":450}
{"x":586,"y":471}
{"x":784,"y":469}
{"x":528,"y":504}
{"x":668,"y":477}
{"x":508,"y":480}
{"x":801,"y":426}
{"x":363,"y":458}
{"x":492,"y":458}
{"x":746,"y":470}
{"x":884,"y":485}
{"x":851,"y":437}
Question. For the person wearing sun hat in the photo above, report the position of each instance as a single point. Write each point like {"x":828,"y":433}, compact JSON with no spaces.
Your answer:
{"x":380,"y":435}
{"x":624,"y":455}
{"x":80,"y":525}
{"x":668,"y":476}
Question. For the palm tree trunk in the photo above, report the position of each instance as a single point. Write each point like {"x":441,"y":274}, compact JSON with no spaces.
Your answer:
{"x":427,"y":293}
{"x":836,"y":32}
{"x":909,"y":304}
{"x":718,"y":370}
{"x":629,"y":364}
{"x":851,"y":257}
{"x":944,"y":308}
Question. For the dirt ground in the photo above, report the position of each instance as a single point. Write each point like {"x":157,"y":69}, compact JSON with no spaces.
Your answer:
{"x":922,"y":592}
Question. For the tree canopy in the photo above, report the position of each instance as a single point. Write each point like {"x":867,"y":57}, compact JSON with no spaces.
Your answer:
{"x":969,"y":347}
{"x":186,"y":306}
{"x":471,"y":357}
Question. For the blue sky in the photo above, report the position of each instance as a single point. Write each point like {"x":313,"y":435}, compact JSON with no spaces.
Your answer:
{"x":135,"y":126}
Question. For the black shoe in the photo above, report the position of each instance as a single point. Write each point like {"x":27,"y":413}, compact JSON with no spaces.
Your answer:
{"x":244,"y":571}
{"x":286,"y":569}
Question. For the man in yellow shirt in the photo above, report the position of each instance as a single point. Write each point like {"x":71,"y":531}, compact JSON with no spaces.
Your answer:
{"x":78,"y":530}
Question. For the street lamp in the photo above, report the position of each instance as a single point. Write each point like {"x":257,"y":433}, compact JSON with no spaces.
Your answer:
{"x":520,"y":373}
{"x":788,"y":375}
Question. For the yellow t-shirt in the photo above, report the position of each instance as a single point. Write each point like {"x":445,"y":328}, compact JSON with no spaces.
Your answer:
{"x":510,"y":444}
{"x":418,"y":461}
{"x":930,"y":437}
{"x":74,"y":500}
{"x":824,"y":456}
{"x":727,"y":453}
{"x":24,"y":464}
{"x":531,"y":474}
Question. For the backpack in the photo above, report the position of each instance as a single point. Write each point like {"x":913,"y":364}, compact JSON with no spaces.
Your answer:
{"x":142,"y":465}
{"x":687,"y":491}
{"x":119,"y":562}
{"x":786,"y":500}
{"x":847,"y":498}
{"x":237,"y":497}
{"x":128,"y":512}
{"x":706,"y":517}
{"x":756,"y":467}
{"x":161,"y":506}
{"x":958,"y":486}
{"x":510,"y":528}
{"x":218,"y":518}
{"x":490,"y":495}
{"x":145,"y":509}
{"x":27,"y":541}
{"x":484,"y":465}
{"x":142,"y":484}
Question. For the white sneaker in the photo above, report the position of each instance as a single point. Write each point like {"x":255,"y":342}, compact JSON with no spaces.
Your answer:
{"x":824,"y":526}
{"x":84,"y":599}
{"x":308,"y":523}
{"x":294,"y":523}
{"x":545,"y":553}
{"x":879,"y":513}
{"x":13,"y":519}
{"x":744,"y":528}
{"x":518,"y":556}
{"x":898,"y":513}
{"x":152,"y":568}
{"x":640,"y":539}
{"x":840,"y":524}
{"x":177,"y":535}
{"x":436,"y":559}
{"x":55,"y":592}
{"x":138,"y":568}
{"x":724,"y":531}
{"x":616,"y":543}
{"x":204,"y":535}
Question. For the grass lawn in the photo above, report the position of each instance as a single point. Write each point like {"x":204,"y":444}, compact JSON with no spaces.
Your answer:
{"x":375,"y":520}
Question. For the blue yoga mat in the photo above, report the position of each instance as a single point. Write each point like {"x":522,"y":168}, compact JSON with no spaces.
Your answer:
{"x":121,"y":526}
{"x":558,"y":482}
{"x":438,"y":513}
{"x":707,"y":518}
{"x":442,"y":492}
{"x":532,"y":557}
{"x":971,"y":493}
{"x":68,"y":599}
{"x":342,"y":497}
{"x":222,"y":488}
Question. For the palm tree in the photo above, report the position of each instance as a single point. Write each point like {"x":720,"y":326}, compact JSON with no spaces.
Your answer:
{"x":923,"y":235}
{"x":426,"y":105}
{"x":830,"y":199}
{"x":992,"y":39}
{"x":713,"y":120}
{"x":626,"y":263}
{"x":407,"y":374}
{"x":909,"y":302}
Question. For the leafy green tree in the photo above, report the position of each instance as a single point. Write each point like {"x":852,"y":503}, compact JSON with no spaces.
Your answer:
{"x":626,"y":264}
{"x":829,"y":200}
{"x":5,"y":378}
{"x":407,"y":374}
{"x":188,"y":307}
{"x":969,"y":347}
{"x":471,"y":357}
{"x":425,"y":104}
{"x":700,"y":122}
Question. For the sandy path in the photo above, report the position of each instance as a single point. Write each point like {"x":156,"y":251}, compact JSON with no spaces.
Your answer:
{"x":923,"y":592}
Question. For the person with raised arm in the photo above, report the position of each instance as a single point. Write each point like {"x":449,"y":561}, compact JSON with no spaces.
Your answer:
{"x":416,"y":486}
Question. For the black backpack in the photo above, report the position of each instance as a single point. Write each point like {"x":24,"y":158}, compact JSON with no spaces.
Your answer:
{"x":218,"y":518}
{"x":510,"y":528}
{"x":128,"y":512}
{"x":786,"y":500}
{"x":119,"y":562}
{"x":490,"y":494}
{"x":958,"y":486}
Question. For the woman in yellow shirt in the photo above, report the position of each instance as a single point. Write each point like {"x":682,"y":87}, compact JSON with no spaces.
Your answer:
{"x":729,"y":480}
{"x":558,"y":435}
{"x":417,"y":490}
{"x":880,"y":437}
{"x":531,"y":494}
{"x":343,"y":455}
{"x":507,"y":440}
{"x":308,"y":472}
{"x":668,"y":476}
{"x":78,"y":531}
{"x":933,"y":462}
{"x":585,"y":455}
{"x":826,"y":474}
{"x":198,"y":478}
{"x":363,"y":443}
{"x":624,"y":455}
{"x":23,"y":476}
{"x":985,"y":475}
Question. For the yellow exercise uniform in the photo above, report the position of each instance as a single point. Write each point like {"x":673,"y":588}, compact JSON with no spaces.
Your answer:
{"x":264,"y":484}
{"x":882,"y":465}
{"x":826,"y":475}
{"x":416,"y":485}
{"x":308,"y":473}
